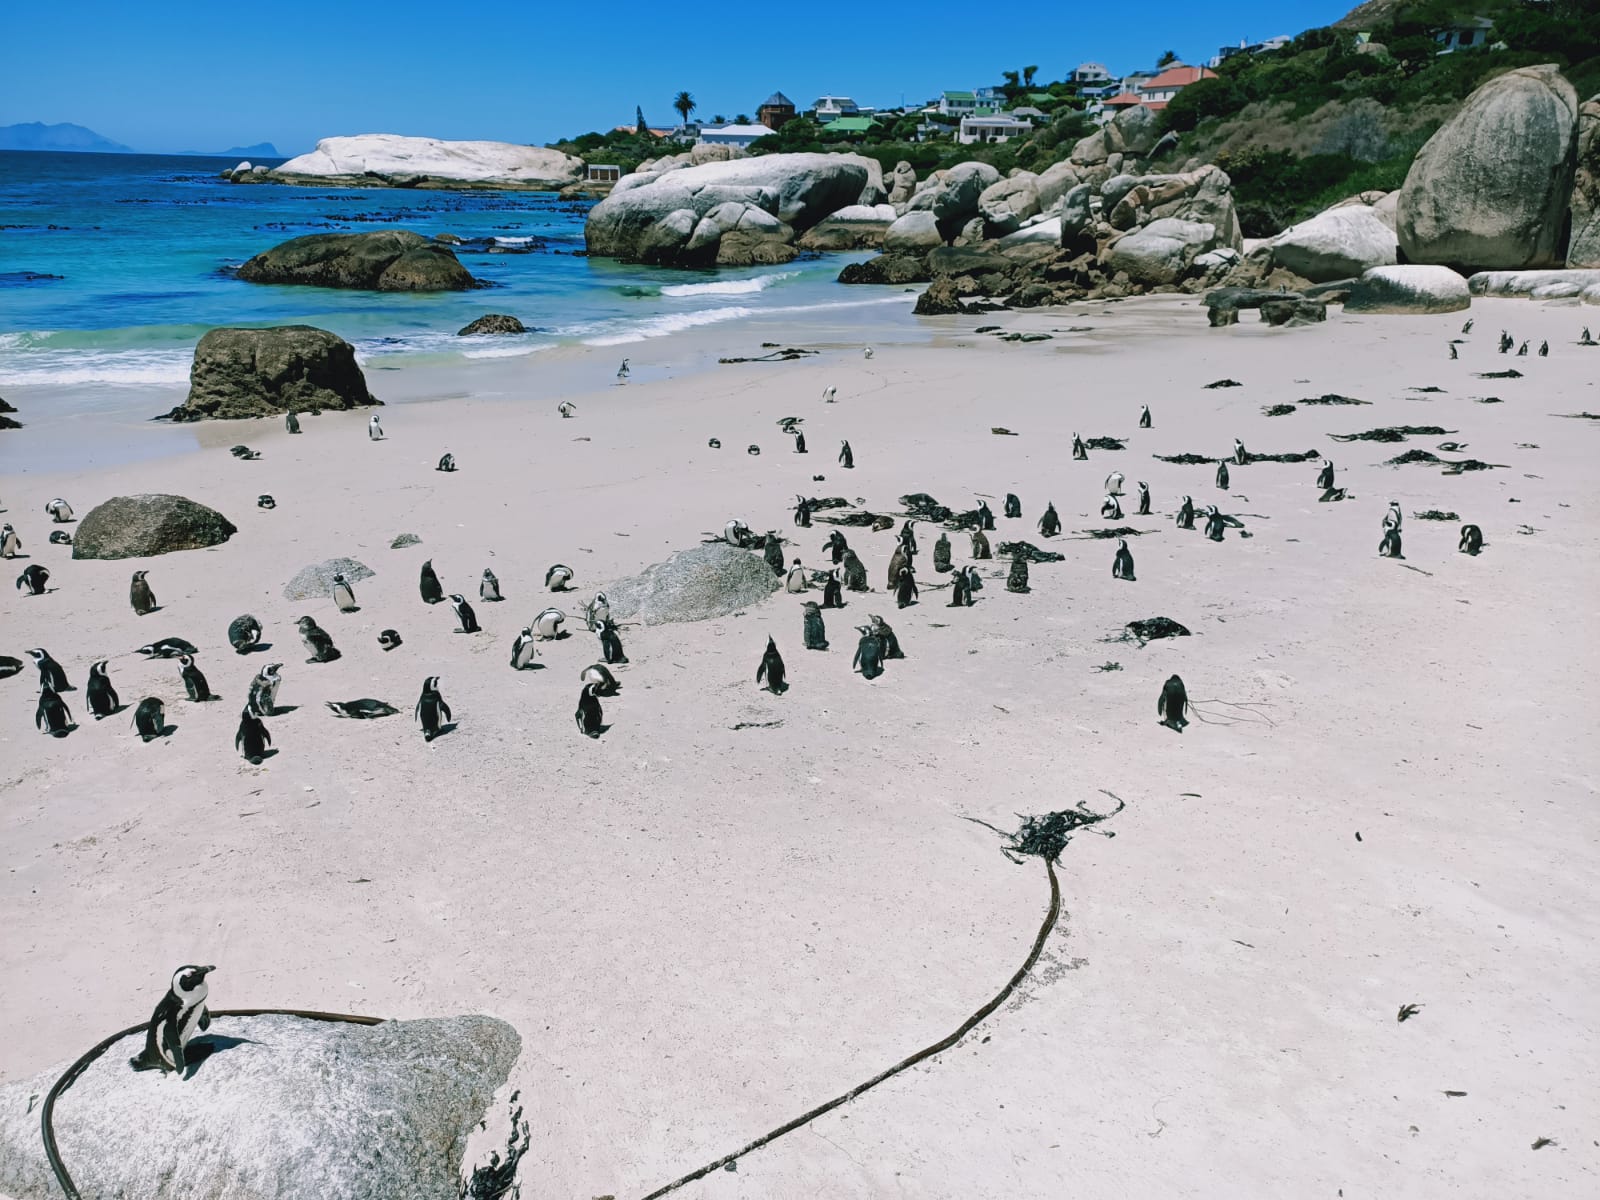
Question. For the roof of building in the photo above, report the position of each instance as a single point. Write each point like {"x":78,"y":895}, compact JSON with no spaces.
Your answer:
{"x":1027,"y":111}
{"x":1176,"y":76}
{"x":1122,"y":100}
{"x":996,"y":119}
{"x":851,"y":124}
{"x":777,"y":100}
{"x":835,"y":100}
{"x":961,"y":97}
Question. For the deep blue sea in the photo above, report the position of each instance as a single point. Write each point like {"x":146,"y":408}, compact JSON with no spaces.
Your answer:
{"x":113,"y":265}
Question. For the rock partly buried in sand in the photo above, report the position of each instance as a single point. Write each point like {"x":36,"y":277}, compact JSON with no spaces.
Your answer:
{"x":1415,"y":290}
{"x":149,"y":524}
{"x":1336,"y":244}
{"x":316,"y":581}
{"x":493,"y":323}
{"x":1293,"y":310}
{"x":707,"y":581}
{"x":387,"y":260}
{"x":1490,"y":189}
{"x":277,"y":1106}
{"x":1534,"y":285}
{"x":265,"y":372}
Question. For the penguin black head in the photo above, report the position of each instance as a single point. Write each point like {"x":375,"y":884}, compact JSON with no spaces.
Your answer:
{"x":188,"y":980}
{"x":431,"y":683}
{"x":184,"y":660}
{"x":140,"y":574}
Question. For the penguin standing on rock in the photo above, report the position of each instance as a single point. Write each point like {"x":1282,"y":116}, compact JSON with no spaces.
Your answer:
{"x":1222,"y":476}
{"x":50,"y":673}
{"x":52,"y":715}
{"x":103,"y":699}
{"x":252,"y":738}
{"x":1079,"y":450}
{"x":1017,"y":580}
{"x":980,"y":545}
{"x":33,"y":579}
{"x":177,"y":1019}
{"x":905,"y":589}
{"x":832,"y":589}
{"x":344,"y":596}
{"x":193,"y":681}
{"x":557,"y":577}
{"x":771,"y":669}
{"x":1122,"y":564}
{"x":1172,"y":704}
{"x":10,"y":543}
{"x":1471,"y":540}
{"x":465,"y":617}
{"x":432,"y":590}
{"x":588,"y":714}
{"x":244,"y":633}
{"x":1013,"y":507}
{"x":317,"y":642}
{"x":816,"y":633}
{"x":1144,"y":499}
{"x":524,"y":650}
{"x":611,"y":643}
{"x":150,"y":719}
{"x":1050,"y":523}
{"x":847,"y":457}
{"x":431,"y":712}
{"x":489,"y":587}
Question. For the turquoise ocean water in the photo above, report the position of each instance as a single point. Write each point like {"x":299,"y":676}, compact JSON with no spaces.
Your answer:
{"x":112,"y":266}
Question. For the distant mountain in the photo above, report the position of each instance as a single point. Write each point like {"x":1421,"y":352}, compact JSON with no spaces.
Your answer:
{"x":259,"y":150}
{"x":36,"y":136}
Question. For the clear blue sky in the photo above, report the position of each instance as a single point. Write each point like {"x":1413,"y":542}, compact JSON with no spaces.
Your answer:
{"x":184,"y":75}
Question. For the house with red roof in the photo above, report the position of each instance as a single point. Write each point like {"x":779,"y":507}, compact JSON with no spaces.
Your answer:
{"x":1154,"y":93}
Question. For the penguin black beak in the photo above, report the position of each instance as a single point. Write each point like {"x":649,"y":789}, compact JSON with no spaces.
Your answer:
{"x":204,"y":971}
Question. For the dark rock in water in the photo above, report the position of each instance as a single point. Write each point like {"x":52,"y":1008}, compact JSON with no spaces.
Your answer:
{"x":493,"y":323}
{"x":266,"y":372}
{"x":390,"y":260}
{"x":940,"y":299}
{"x":887,"y":268}
{"x":276,"y":1106}
{"x":145,"y":525}
{"x":7,"y":408}
{"x":1152,"y":628}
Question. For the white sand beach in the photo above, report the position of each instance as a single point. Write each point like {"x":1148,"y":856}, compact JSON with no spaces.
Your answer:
{"x":734,"y":906}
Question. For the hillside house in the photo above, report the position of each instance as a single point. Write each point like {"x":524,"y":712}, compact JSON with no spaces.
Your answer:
{"x":738,"y":136}
{"x":958,"y":104}
{"x":1465,"y":33}
{"x":1155,"y":93}
{"x":831,"y":108}
{"x":776,"y":111}
{"x":992,"y":129}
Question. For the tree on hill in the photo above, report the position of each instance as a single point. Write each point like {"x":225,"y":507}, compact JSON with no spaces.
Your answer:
{"x":685,"y":105}
{"x":1027,"y":76}
{"x":1167,"y":59}
{"x":639,"y":126}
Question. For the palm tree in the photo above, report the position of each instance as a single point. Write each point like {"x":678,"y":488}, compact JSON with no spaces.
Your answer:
{"x":1011,"y":78}
{"x":685,"y":105}
{"x":1027,"y":76}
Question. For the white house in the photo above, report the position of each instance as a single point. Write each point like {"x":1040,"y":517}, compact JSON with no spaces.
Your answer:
{"x":1091,"y":74}
{"x":1469,"y":33}
{"x":831,"y":108}
{"x":992,"y":129}
{"x":739,"y":136}
{"x":957,"y":104}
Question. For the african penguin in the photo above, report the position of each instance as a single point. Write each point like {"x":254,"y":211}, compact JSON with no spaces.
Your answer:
{"x":362,"y":710}
{"x":103,"y":700}
{"x":548,"y":624}
{"x":1114,"y":483}
{"x":52,"y":715}
{"x":1215,"y":523}
{"x":1241,"y":456}
{"x":266,"y":501}
{"x":855,"y":572}
{"x":466,"y":618}
{"x":557,"y":577}
{"x":596,"y":612}
{"x":836,"y":545}
{"x":1013,"y":505}
{"x":374,"y":429}
{"x":1392,"y":519}
{"x":736,"y":533}
{"x":1185,"y":517}
{"x":622,"y":371}
{"x":772,"y":551}
{"x":1172,"y":704}
{"x":986,"y":516}
{"x":833,"y":589}
{"x":799,"y":441}
{"x":605,"y":683}
{"x":264,"y":691}
{"x":50,"y":673}
{"x":344,"y":596}
{"x":1144,"y":499}
{"x":1389,"y":547}
{"x":752,"y":450}
{"x":150,"y":719}
{"x":10,"y":543}
{"x":715,"y":443}
{"x":489,"y":587}
{"x":243,"y":633}
{"x":961,"y":589}
{"x":291,"y":422}
{"x":447,"y":463}
{"x":847,"y":456}
{"x":1222,"y":476}
{"x":175,"y":1022}
{"x":611,"y":643}
{"x":1325,"y":476}
{"x":980,"y":544}
{"x":588,"y":715}
{"x":1144,"y":417}
{"x":1079,"y":450}
{"x":389,"y":639}
{"x":885,"y":634}
{"x":941,"y":554}
{"x":524,"y":650}
{"x":33,"y":579}
{"x":905,"y":588}
{"x":1471,"y":540}
{"x":1050,"y":523}
{"x":795,"y":580}
{"x":317,"y":642}
{"x":815,"y":632}
{"x":194,"y":682}
{"x":1122,"y":564}
{"x":431,"y":711}
{"x":771,"y":669}
{"x":869,"y":654}
{"x":59,"y":511}
{"x":1017,"y":578}
{"x":432,"y":590}
{"x":1111,"y":509}
{"x":829,"y":394}
{"x":252,"y":738}
{"x":802,"y":512}
{"x":60,"y":537}
{"x":566,"y":408}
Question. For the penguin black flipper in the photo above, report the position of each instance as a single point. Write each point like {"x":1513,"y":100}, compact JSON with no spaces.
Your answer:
{"x":150,"y":1058}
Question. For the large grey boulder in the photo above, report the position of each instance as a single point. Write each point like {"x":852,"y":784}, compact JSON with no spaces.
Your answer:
{"x":1584,"y":248}
{"x":1162,"y":251}
{"x":706,"y":581}
{"x":1204,"y":195}
{"x":148,"y":524}
{"x":316,"y":581}
{"x":856,"y":227}
{"x":1413,"y":290}
{"x":387,"y":260}
{"x":1335,"y":244}
{"x":265,"y":372}
{"x":901,"y":184}
{"x":914,"y":233}
{"x":1490,"y":189}
{"x":1132,"y":132}
{"x":799,"y":190}
{"x":1534,"y":285}
{"x":1006,"y":204}
{"x":952,"y":195}
{"x":1054,"y":182}
{"x":277,"y":1107}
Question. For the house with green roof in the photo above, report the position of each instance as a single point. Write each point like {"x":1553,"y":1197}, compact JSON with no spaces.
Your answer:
{"x":957,"y":104}
{"x":856,"y":125}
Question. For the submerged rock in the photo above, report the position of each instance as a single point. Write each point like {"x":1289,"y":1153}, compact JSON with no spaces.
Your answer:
{"x":276,"y":1106}
{"x":387,"y":260}
{"x":265,"y":372}
{"x":493,"y":323}
{"x":148,"y":524}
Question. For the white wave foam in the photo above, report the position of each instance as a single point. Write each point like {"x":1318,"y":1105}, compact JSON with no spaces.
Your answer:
{"x":125,"y":368}
{"x":728,"y":287}
{"x":609,"y":334}
{"x":515,"y":350}
{"x":513,"y":241}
